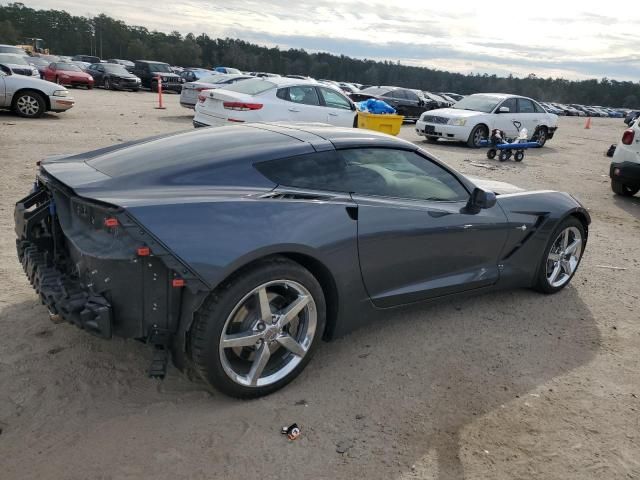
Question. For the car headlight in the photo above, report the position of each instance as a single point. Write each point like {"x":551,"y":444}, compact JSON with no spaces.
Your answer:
{"x":458,"y":122}
{"x":34,"y":71}
{"x":61,"y":93}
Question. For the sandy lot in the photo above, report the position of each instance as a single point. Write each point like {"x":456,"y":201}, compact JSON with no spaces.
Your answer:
{"x":506,"y":386}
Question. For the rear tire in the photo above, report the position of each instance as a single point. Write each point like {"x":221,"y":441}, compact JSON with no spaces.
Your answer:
{"x":236,"y":309}
{"x":620,"y":188}
{"x":29,"y":104}
{"x":478,"y":133}
{"x":542,"y":136}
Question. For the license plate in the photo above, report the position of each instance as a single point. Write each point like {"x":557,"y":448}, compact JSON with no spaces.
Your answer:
{"x":429,"y":129}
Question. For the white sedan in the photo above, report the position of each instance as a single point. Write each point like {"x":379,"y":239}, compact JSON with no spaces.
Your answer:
{"x":472,"y":119}
{"x":30,"y":97}
{"x":275,"y":99}
{"x":625,"y":165}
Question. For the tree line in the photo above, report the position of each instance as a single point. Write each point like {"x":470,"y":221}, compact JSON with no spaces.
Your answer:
{"x":107,"y":37}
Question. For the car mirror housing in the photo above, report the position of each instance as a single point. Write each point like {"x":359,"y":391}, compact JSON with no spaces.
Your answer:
{"x":504,"y":110}
{"x":4,"y":70}
{"x":480,"y":199}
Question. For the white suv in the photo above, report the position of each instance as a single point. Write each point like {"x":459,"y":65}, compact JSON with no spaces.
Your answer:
{"x":472,"y":119}
{"x":625,"y":165}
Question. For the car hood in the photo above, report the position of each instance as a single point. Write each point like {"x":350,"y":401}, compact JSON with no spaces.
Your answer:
{"x":499,"y":188}
{"x":35,"y":82}
{"x":74,"y":74}
{"x":454,"y":113}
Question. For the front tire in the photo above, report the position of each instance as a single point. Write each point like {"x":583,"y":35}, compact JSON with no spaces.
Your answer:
{"x":107,"y":84}
{"x":620,"y":188}
{"x":258,"y":331}
{"x":478,"y":133}
{"x":29,"y":104}
{"x":562,"y":256}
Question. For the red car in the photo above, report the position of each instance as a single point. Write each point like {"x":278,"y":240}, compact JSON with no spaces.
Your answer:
{"x":67,"y":74}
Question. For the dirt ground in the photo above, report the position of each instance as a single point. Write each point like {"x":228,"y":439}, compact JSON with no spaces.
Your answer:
{"x":513,"y":385}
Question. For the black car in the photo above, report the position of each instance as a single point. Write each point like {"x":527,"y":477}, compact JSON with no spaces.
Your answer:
{"x":148,"y":71}
{"x":113,"y":77}
{"x":128,"y":64}
{"x":406,"y":101}
{"x":86,"y":58}
{"x":239,"y":248}
{"x":631,"y":117}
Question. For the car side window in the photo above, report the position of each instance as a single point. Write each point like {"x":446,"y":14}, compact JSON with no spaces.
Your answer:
{"x":411,"y":96}
{"x":525,"y":106}
{"x":538,"y":108}
{"x":306,"y":95}
{"x":283,"y":94}
{"x":381,"y":172}
{"x":510,"y":103}
{"x":390,"y":94}
{"x":333,"y":99}
{"x":388,"y":172}
{"x":399,"y":94}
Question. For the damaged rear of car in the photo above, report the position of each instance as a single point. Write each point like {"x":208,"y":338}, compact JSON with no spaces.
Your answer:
{"x":96,"y":267}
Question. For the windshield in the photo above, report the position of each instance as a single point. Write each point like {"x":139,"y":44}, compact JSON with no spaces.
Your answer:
{"x":10,"y":49}
{"x":69,"y":67}
{"x":115,"y":69}
{"x":478,"y":103}
{"x":252,"y":86}
{"x":11,"y":58}
{"x":159,"y":67}
{"x":36,"y":61}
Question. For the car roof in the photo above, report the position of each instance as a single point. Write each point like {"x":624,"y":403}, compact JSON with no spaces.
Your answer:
{"x":150,"y":61}
{"x":286,"y":81}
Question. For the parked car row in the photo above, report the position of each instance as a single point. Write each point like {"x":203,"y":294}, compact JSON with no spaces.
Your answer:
{"x":576,"y":110}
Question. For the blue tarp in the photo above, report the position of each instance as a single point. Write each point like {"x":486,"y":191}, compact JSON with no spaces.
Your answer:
{"x":375,"y":106}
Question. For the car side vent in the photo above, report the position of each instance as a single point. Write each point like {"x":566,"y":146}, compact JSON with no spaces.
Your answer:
{"x":294,"y":196}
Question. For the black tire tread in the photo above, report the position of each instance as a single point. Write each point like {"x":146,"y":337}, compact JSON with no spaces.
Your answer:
{"x":206,"y":313}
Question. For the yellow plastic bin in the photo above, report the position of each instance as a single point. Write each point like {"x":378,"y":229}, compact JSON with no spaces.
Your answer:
{"x":386,"y":123}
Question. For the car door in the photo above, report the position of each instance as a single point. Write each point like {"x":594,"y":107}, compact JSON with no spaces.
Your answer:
{"x":340,"y":111}
{"x":97,"y":72}
{"x":415,"y":106}
{"x":527,"y":115}
{"x":416,"y":240}
{"x":4,"y":101}
{"x":396,"y":99}
{"x":301,"y":104}
{"x":504,"y":120}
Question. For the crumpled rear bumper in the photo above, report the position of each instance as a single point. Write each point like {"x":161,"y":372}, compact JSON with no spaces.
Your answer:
{"x":63,"y":295}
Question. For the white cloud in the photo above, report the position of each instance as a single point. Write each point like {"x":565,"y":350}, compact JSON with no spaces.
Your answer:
{"x":575,"y":40}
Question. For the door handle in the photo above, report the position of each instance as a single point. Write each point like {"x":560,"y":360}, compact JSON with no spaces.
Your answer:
{"x":294,"y":110}
{"x":333,"y":114}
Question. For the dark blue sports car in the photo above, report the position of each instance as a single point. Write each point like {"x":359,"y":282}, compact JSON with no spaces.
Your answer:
{"x":235,"y":250}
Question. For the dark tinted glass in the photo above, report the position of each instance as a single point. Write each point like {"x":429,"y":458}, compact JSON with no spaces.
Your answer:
{"x":510,"y":103}
{"x":525,"y":106}
{"x":367,"y":171}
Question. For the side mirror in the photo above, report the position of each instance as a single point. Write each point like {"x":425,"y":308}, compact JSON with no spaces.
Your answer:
{"x":504,"y":110}
{"x":480,"y":199}
{"x":4,"y":70}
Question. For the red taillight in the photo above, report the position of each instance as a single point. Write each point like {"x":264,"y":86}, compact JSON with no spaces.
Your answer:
{"x":241,"y":106}
{"x":177,"y":282}
{"x":202,"y":98}
{"x":144,"y":251}
{"x":111,"y":222}
{"x":627,"y":136}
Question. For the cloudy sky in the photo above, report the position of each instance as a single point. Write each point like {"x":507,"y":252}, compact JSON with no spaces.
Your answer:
{"x":572,"y":39}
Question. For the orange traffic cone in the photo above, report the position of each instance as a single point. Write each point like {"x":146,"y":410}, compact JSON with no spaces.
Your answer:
{"x":587,"y":124}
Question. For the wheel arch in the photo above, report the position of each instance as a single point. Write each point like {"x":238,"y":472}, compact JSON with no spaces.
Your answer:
{"x":315,"y":266}
{"x":47,"y":101}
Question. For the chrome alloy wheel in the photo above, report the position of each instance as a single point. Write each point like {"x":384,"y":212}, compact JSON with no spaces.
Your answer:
{"x":268,"y":333}
{"x":564,"y":257}
{"x":28,"y":105}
